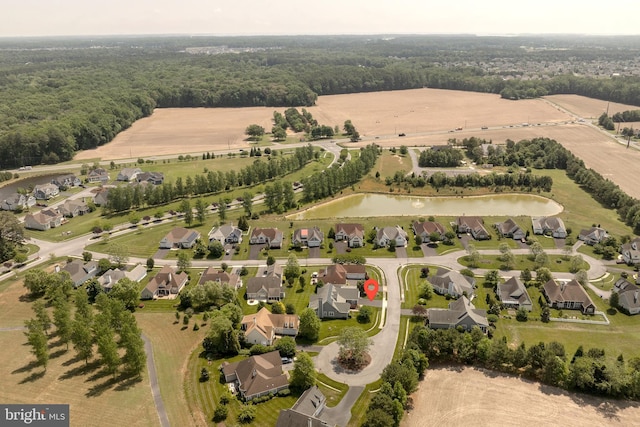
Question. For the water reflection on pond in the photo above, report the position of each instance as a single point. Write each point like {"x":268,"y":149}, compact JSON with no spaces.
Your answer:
{"x":366,"y":205}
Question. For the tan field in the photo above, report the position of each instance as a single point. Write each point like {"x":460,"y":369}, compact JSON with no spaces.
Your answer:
{"x":469,"y":397}
{"x":93,"y":400}
{"x":426,"y":117}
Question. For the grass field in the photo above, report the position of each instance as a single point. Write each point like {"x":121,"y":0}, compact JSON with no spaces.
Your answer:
{"x":84,"y":387}
{"x":557,"y":263}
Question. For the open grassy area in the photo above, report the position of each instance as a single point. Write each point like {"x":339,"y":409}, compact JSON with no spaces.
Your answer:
{"x":389,"y":163}
{"x":67,"y":380}
{"x":329,"y":387}
{"x":557,"y":263}
{"x":330,"y":329}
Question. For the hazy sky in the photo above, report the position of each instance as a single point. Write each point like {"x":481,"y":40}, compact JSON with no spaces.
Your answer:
{"x":238,"y":17}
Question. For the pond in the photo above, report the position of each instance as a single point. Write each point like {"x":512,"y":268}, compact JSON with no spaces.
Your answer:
{"x":367,"y":205}
{"x":13,"y":186}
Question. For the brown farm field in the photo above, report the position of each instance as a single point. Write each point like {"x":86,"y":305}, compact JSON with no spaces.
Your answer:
{"x":471,"y":397}
{"x":426,"y":116}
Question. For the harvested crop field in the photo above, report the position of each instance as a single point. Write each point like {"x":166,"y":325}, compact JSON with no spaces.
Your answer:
{"x":426,"y":117}
{"x":588,"y":107}
{"x":471,"y":397}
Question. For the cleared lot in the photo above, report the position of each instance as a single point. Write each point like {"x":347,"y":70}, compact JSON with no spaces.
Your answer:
{"x":469,"y":397}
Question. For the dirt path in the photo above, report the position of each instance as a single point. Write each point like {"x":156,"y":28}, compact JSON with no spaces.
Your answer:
{"x":470,"y":397}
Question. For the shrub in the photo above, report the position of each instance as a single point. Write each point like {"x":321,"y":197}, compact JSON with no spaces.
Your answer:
{"x":492,"y":318}
{"x":220,"y":414}
{"x":284,"y":393}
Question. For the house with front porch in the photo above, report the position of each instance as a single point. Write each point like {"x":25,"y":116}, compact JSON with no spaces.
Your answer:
{"x":353,"y":234}
{"x":45,"y":191}
{"x":98,"y":175}
{"x":167,"y":283}
{"x":263,"y":326}
{"x":509,"y":228}
{"x":473,"y":225}
{"x":227,"y":233}
{"x":270,"y":236}
{"x":17,"y":201}
{"x":450,"y":282}
{"x":256,"y":376}
{"x":267,"y":288}
{"x":568,"y":295}
{"x":386,"y":235}
{"x":549,"y":225}
{"x":460,"y":314}
{"x":426,"y":228}
{"x":307,"y":237}
{"x":43,"y":220}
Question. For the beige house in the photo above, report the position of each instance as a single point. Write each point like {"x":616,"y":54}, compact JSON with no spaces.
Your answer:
{"x":179,"y":237}
{"x":212,"y":274}
{"x":460,"y":314}
{"x":262,"y":327}
{"x":43,"y":220}
{"x":353,"y":234}
{"x":167,"y":283}
{"x":256,"y":376}
{"x":568,"y":295}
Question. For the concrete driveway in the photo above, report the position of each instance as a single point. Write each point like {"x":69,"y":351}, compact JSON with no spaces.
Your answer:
{"x":254,"y":251}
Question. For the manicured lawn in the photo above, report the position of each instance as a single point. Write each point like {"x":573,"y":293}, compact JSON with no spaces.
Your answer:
{"x":359,"y":409}
{"x":411,"y":278}
{"x":389,"y":163}
{"x":328,"y":388}
{"x":330,"y":329}
{"x":203,"y":397}
{"x":557,"y":263}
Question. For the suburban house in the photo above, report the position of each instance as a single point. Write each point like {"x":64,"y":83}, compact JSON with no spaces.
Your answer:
{"x":513,"y":294}
{"x":179,"y":237}
{"x":628,"y":295}
{"x":353,"y":234}
{"x":226,"y":233}
{"x":212,"y":274}
{"x":81,"y":271}
{"x":271,"y":236}
{"x":164,"y":284}
{"x":306,"y":410}
{"x":426,"y":228}
{"x":17,"y":201}
{"x":256,"y":376}
{"x":549,"y":225}
{"x":509,"y":228}
{"x":98,"y":175}
{"x":334,"y":302}
{"x":309,"y":237}
{"x":460,"y":314}
{"x":45,"y":191}
{"x":267,"y":288}
{"x":568,"y":295}
{"x":43,"y":220}
{"x":395,"y":234}
{"x":128,"y":174}
{"x":449,"y":282}
{"x":473,"y":225}
{"x":593,"y":235}
{"x":68,"y":180}
{"x":631,"y":251}
{"x":114,"y":275}
{"x":101,"y":197}
{"x":155,"y":178}
{"x":263,"y":326}
{"x":338,"y":274}
{"x":74,"y":208}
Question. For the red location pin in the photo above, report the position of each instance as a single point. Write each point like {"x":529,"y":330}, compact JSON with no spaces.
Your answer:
{"x":371,"y":289}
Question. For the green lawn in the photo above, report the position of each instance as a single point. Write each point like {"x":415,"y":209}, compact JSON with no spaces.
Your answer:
{"x":204,"y":396}
{"x":328,"y":388}
{"x":389,"y":163}
{"x":557,"y":263}
{"x":330,"y":329}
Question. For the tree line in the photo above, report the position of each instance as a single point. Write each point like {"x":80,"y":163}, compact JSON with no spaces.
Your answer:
{"x":58,"y":101}
{"x":330,"y":181}
{"x":586,"y":371}
{"x":124,"y":198}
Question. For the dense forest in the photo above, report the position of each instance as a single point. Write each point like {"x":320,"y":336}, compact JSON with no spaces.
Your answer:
{"x":58,"y":96}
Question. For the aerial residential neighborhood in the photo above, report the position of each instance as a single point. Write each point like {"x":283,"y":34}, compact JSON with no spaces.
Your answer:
{"x":311,"y":231}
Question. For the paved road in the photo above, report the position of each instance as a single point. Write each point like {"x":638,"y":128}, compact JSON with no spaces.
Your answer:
{"x":341,"y":413}
{"x":153,"y":380}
